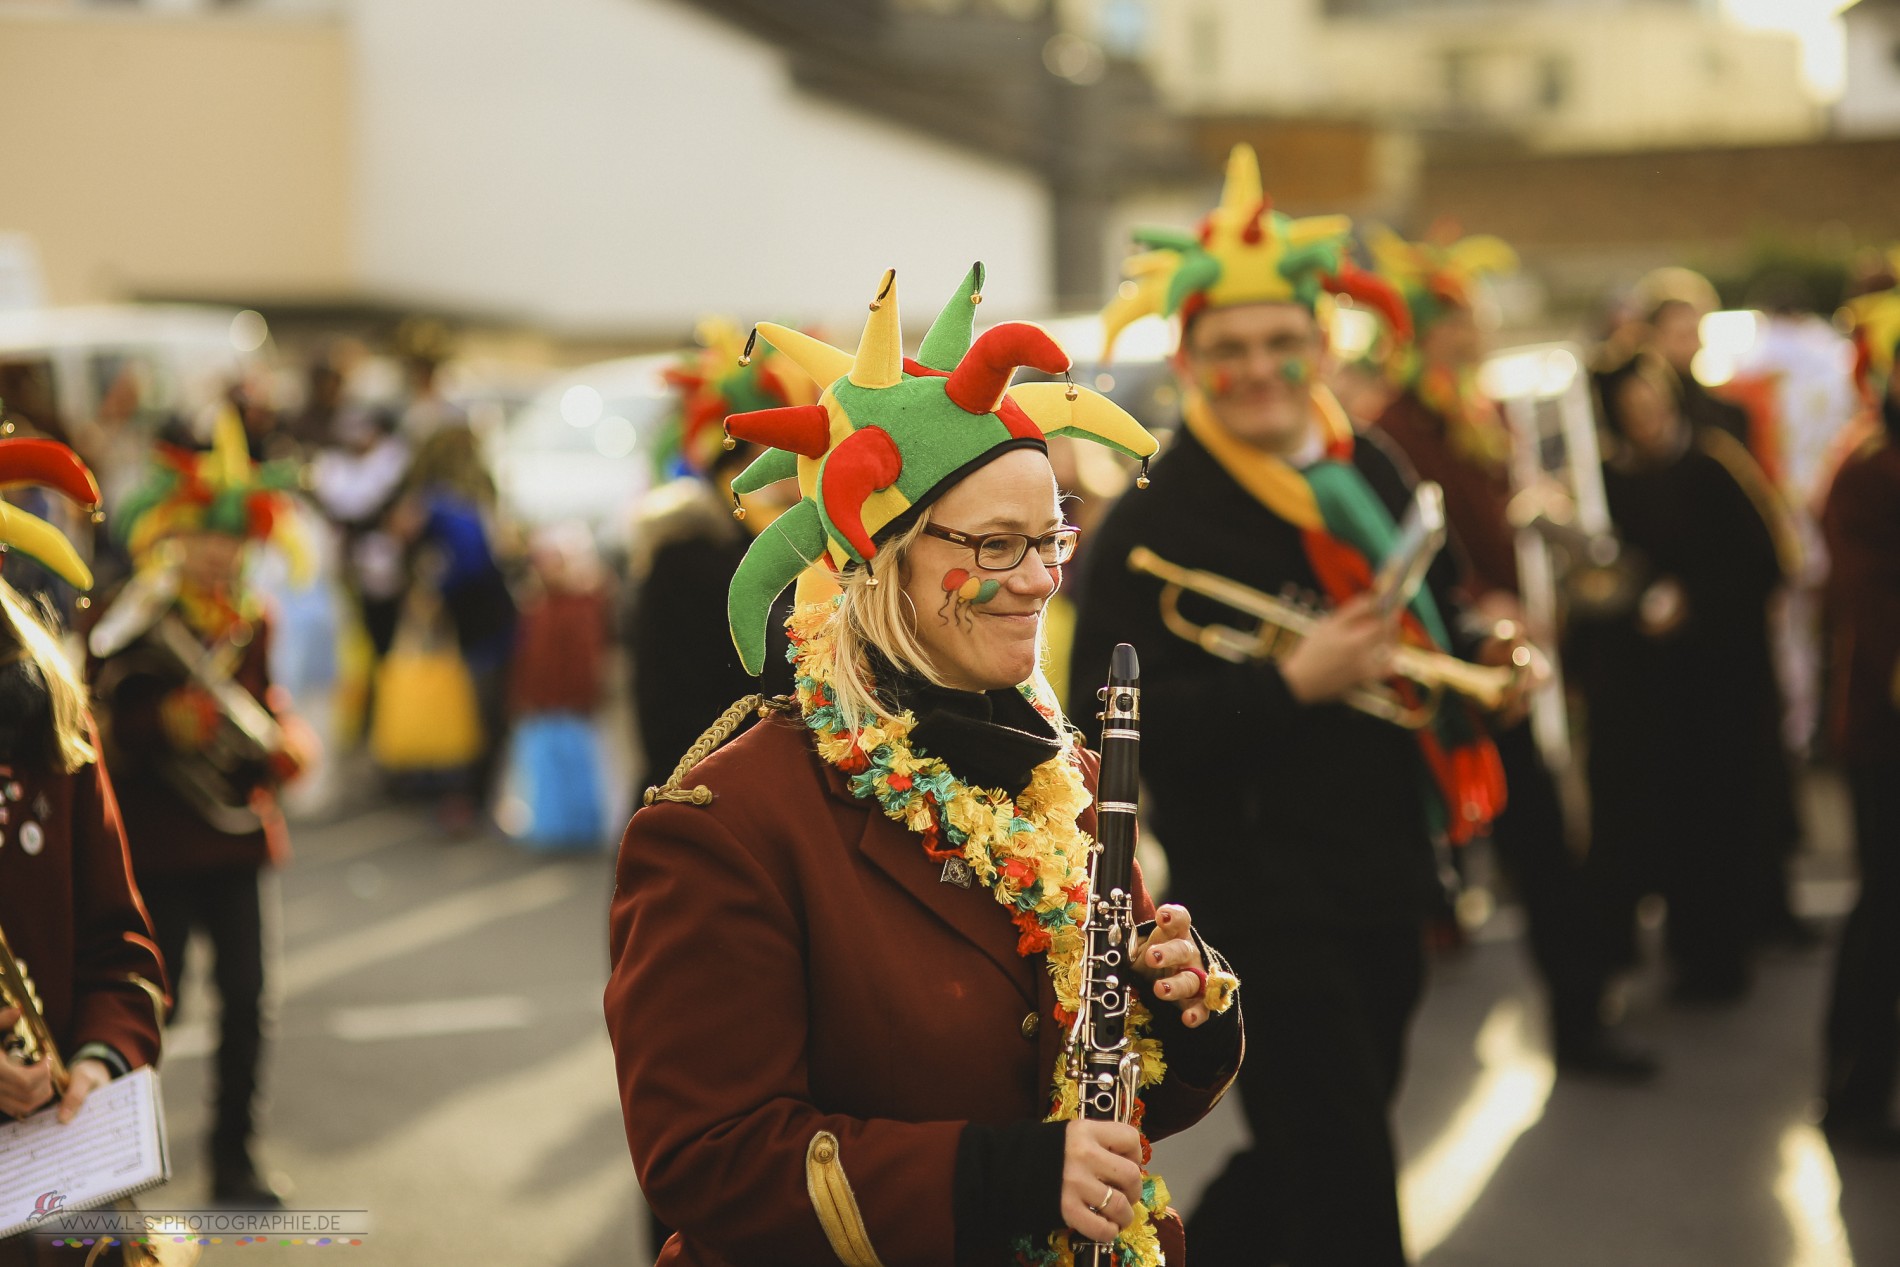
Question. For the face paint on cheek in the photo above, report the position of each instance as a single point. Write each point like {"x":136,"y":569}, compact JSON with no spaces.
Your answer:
{"x":986,"y":590}
{"x":1294,"y":371}
{"x":1215,"y":383}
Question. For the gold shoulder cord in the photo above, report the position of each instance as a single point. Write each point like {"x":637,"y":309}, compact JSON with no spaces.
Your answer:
{"x":716,"y":734}
{"x":836,"y":1204}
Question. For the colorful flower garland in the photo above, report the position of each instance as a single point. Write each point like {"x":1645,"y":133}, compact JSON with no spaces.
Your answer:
{"x":1026,"y":850}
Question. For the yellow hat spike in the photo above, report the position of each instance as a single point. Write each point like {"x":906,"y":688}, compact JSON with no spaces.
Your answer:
{"x":230,"y":460}
{"x":824,"y":363}
{"x":880,"y":358}
{"x":1241,"y":195}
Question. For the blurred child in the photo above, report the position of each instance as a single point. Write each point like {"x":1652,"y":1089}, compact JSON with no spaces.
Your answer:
{"x":556,"y":687}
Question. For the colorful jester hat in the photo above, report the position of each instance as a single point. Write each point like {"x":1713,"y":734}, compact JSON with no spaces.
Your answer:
{"x":1876,"y":317}
{"x":719,"y":380}
{"x":47,"y":464}
{"x":1439,"y":274}
{"x":889,"y":434}
{"x":1245,"y":253}
{"x":221,"y":491}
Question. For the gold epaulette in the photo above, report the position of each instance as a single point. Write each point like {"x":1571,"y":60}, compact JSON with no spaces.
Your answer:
{"x":835,"y":1204}
{"x":716,"y":734}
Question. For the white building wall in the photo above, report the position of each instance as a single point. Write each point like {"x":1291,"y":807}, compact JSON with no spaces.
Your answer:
{"x":615,"y":165}
{"x":1871,"y":104}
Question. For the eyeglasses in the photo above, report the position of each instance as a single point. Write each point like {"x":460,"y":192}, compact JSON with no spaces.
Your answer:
{"x":1001,"y":551}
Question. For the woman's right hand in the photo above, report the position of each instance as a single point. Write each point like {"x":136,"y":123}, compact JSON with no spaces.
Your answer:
{"x":23,"y":1088}
{"x":1349,"y":646}
{"x":1098,"y":1159}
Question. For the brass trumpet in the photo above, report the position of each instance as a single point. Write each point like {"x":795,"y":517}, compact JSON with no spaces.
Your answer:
{"x":1281,"y":625}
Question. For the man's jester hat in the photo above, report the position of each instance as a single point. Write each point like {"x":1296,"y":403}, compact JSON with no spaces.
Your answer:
{"x":219,"y":491}
{"x":1876,"y":316}
{"x":890,"y":433}
{"x":1245,"y":253}
{"x":1439,"y":274}
{"x":718,"y":381}
{"x":45,"y":464}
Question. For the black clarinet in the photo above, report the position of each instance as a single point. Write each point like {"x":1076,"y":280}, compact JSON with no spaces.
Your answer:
{"x":1102,"y":1062}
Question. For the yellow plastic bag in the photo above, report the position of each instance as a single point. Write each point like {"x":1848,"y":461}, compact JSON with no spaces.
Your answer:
{"x":426,"y":717}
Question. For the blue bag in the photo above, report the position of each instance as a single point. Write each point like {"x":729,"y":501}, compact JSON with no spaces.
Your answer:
{"x":557,"y":771}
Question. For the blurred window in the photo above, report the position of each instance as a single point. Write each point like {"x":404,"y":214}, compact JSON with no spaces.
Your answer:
{"x":1460,"y":79}
{"x":1206,"y":39}
{"x":1553,"y":82}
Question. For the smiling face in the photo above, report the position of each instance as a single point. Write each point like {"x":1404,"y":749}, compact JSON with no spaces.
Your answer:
{"x":1255,"y":364}
{"x":981,"y":629}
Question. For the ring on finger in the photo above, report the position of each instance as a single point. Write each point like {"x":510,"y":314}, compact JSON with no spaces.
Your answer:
{"x":1102,"y":1209}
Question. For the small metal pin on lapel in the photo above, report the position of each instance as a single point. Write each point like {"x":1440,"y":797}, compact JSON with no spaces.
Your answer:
{"x":958,"y":872}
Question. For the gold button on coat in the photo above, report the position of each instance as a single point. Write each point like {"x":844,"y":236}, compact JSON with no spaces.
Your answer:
{"x":1031,"y":1024}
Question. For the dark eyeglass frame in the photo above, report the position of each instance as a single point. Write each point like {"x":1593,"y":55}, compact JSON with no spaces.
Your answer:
{"x":975,"y":541}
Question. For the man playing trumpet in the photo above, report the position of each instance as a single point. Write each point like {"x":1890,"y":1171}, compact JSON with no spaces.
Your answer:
{"x":1305,"y":830}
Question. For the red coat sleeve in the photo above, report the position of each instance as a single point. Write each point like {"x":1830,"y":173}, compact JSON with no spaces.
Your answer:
{"x":707,"y":1011}
{"x":118,"y":980}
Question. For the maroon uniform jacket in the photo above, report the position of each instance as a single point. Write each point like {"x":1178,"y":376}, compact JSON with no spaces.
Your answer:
{"x":73,"y":915}
{"x":1862,"y":526}
{"x":787,"y":961}
{"x":1476,"y":497}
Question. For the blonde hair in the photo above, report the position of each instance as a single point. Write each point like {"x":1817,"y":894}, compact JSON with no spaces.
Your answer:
{"x":33,"y":637}
{"x":882,"y":616}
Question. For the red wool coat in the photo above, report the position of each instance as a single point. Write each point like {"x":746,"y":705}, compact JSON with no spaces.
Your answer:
{"x":786,"y":961}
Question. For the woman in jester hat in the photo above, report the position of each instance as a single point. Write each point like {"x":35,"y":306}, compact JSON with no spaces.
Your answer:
{"x":69,"y":907}
{"x":868,"y":1070}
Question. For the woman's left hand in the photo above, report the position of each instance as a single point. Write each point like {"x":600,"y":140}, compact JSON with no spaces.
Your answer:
{"x":1171,"y":958}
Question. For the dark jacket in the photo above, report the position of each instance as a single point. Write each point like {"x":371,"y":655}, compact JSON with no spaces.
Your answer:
{"x":1684,"y":724}
{"x":1861,"y":523}
{"x":685,"y":668}
{"x":787,"y":960}
{"x":1270,"y":810}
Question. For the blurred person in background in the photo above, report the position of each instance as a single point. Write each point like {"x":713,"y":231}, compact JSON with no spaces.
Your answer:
{"x":1676,"y":300}
{"x":556,"y":687}
{"x":1861,"y":520}
{"x":1682,"y":790}
{"x":326,"y":377}
{"x":199,"y":741}
{"x":1673,"y":302}
{"x":446,"y":519}
{"x":1306,"y":835}
{"x":687,"y":541}
{"x":356,"y":483}
{"x":1454,"y":436}
{"x":1807,"y":366}
{"x":423,"y":345}
{"x":69,"y":906}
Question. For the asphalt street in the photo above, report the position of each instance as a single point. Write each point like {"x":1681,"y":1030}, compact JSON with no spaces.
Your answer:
{"x":440,"y":1060}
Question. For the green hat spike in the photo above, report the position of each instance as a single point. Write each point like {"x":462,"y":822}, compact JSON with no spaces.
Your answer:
{"x":955,"y":327}
{"x":768,"y":468}
{"x":790,"y":544}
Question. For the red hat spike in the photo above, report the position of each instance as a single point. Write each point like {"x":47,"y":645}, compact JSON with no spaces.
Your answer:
{"x":866,"y":461}
{"x":48,"y":463}
{"x":1376,"y":293}
{"x":800,"y":429}
{"x":982,"y":376}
